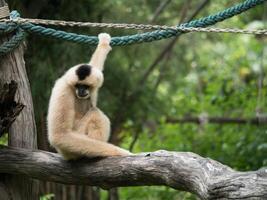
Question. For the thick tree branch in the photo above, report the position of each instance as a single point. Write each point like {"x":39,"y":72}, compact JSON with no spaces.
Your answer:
{"x":186,"y":171}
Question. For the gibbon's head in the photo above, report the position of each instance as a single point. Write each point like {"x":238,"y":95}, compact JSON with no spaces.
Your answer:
{"x":85,"y":80}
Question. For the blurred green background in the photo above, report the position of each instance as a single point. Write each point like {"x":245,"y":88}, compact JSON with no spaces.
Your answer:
{"x":200,"y":74}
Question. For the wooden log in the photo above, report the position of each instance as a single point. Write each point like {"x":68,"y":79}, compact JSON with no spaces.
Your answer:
{"x":185,"y":171}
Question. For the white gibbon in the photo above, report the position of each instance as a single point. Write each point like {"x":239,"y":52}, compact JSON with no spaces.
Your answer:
{"x":76,"y":127}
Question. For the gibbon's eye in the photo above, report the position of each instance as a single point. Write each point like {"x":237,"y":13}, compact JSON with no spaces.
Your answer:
{"x":82,"y":91}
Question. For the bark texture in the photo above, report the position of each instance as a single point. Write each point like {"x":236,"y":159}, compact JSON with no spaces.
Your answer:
{"x":186,"y":171}
{"x":10,"y":109}
{"x":23,"y":131}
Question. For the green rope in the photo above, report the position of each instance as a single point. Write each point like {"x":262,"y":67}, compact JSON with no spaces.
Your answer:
{"x":123,"y":40}
{"x":15,"y":40}
{"x":13,"y":43}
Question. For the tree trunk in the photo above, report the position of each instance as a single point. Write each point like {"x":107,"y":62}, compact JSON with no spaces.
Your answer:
{"x":12,"y":67}
{"x":113,"y":194}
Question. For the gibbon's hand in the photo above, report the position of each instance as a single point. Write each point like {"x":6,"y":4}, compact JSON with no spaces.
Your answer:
{"x":104,"y":40}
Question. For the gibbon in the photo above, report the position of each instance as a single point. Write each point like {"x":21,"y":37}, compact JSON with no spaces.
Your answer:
{"x":76,"y":127}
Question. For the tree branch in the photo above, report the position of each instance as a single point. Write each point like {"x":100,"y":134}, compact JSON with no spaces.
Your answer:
{"x":159,"y":9}
{"x":219,"y":120}
{"x":186,"y":171}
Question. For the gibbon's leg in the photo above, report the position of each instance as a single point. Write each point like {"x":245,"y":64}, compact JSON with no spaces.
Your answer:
{"x":82,"y":145}
{"x":98,"y":126}
{"x":81,"y":123}
{"x":101,"y":52}
{"x":95,"y":124}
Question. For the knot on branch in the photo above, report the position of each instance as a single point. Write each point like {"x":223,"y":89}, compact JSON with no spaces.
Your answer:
{"x":10,"y":109}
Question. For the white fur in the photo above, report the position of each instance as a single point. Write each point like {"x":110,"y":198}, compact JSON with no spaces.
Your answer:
{"x":76,"y":127}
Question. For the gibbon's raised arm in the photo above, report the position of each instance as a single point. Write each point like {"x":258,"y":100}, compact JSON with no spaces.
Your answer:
{"x":103,"y":48}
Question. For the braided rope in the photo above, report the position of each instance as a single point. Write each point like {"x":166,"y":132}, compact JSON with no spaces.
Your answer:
{"x":8,"y":27}
{"x":130,"y":39}
{"x":86,"y":24}
{"x":148,"y":36}
{"x":15,"y":40}
{"x":133,"y":26}
{"x":13,"y":43}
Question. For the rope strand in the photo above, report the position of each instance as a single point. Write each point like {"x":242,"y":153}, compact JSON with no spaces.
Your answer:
{"x":134,"y":26}
{"x":4,"y":12}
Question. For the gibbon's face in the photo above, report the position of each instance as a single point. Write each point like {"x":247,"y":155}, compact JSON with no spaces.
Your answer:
{"x":82,"y":91}
{"x":87,"y":80}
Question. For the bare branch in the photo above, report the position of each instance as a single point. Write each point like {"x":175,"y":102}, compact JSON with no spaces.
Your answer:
{"x":135,"y":137}
{"x":159,"y":9}
{"x":186,"y":171}
{"x":219,"y":120}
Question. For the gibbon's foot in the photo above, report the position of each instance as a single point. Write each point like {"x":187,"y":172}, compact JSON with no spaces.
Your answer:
{"x":104,"y":39}
{"x":122,"y":152}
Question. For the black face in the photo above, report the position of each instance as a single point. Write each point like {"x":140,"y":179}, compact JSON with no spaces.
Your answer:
{"x":82,"y":91}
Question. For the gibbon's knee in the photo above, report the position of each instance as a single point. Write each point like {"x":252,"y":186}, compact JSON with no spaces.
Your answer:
{"x":99,"y":126}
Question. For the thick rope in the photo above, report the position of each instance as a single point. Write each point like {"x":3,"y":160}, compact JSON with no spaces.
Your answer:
{"x":15,"y":40}
{"x":148,"y":36}
{"x":13,"y":43}
{"x":137,"y":38}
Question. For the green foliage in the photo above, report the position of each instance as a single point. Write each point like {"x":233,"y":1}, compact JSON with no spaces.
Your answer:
{"x":47,"y":197}
{"x":4,"y":139}
{"x":212,"y":73}
{"x":153,"y":193}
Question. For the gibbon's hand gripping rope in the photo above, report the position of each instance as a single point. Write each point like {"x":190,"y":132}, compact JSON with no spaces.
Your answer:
{"x":21,"y":28}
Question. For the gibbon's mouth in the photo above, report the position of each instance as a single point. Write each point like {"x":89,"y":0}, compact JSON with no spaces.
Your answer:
{"x":82,"y":91}
{"x":83,"y":97}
